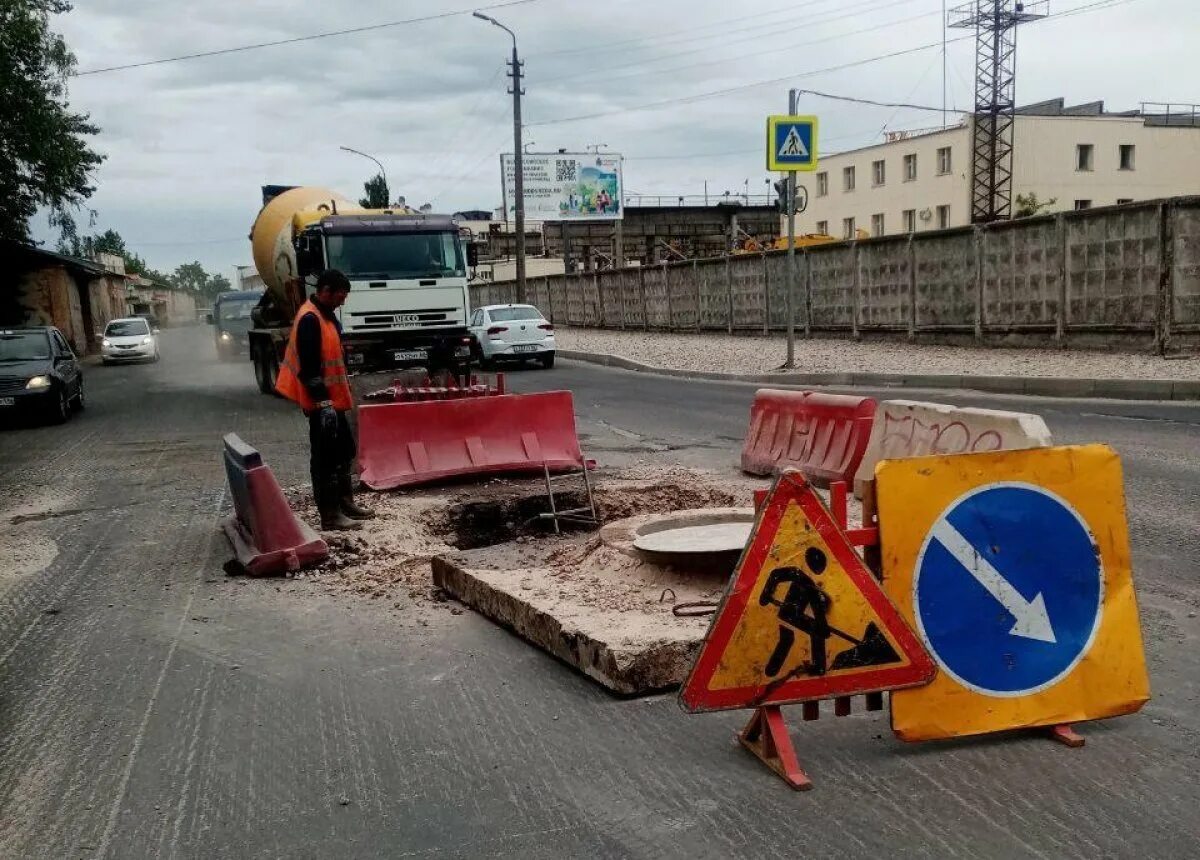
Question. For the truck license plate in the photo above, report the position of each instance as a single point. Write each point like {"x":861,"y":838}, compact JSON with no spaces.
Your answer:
{"x":410,"y":355}
{"x":8,"y":401}
{"x":525,"y":348}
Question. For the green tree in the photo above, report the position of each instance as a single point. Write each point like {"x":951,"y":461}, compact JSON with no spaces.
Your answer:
{"x":190,"y":276}
{"x":377,"y":193}
{"x":1028,"y":205}
{"x":44,"y":155}
{"x":217,"y":284}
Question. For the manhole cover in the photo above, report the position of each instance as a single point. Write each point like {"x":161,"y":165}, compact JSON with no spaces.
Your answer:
{"x":715,"y":537}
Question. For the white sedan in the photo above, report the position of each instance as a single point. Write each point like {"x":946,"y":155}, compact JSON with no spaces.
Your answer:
{"x":512,"y":333}
{"x":129,"y":339}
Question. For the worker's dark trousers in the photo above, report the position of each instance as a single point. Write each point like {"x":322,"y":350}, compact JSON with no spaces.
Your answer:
{"x":332,"y":457}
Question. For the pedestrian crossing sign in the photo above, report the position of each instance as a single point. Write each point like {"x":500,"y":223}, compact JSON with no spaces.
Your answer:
{"x":791,"y":143}
{"x":802,"y":618}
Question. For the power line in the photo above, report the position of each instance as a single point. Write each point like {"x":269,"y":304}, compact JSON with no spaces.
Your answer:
{"x":1096,"y":6}
{"x":297,"y":39}
{"x":756,"y":54}
{"x":742,"y":87}
{"x":658,"y":39}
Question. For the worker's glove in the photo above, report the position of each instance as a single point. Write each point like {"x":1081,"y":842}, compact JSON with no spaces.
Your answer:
{"x":328,"y":417}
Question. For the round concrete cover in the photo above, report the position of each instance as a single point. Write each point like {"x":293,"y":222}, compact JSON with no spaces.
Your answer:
{"x":714,"y":537}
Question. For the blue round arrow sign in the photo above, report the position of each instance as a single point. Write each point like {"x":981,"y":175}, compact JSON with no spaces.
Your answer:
{"x":1008,"y":589}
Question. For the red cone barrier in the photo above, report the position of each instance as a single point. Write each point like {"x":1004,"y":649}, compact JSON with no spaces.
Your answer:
{"x":265,"y":533}
{"x":405,"y":444}
{"x":822,"y":435}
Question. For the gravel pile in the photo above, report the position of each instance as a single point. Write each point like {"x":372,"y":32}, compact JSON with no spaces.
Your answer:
{"x":748,"y":354}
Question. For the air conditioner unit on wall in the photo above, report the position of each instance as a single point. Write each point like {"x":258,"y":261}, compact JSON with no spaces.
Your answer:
{"x":926,"y":214}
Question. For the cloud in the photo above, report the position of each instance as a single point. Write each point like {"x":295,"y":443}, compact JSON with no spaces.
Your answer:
{"x":188,"y":144}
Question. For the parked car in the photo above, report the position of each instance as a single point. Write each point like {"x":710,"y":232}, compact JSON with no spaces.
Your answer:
{"x":39,"y":373}
{"x":512,"y":333}
{"x":129,"y":339}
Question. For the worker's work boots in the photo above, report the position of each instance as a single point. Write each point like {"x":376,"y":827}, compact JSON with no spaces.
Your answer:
{"x":329,"y":505}
{"x":349,"y":507}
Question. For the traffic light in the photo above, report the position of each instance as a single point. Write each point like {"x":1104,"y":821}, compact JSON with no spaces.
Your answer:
{"x":781,"y":196}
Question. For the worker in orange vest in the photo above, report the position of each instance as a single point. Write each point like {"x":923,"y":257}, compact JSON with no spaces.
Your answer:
{"x":313,"y":375}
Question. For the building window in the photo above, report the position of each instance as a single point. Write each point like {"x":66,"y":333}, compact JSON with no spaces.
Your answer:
{"x":847,"y":228}
{"x":910,"y":220}
{"x":944,"y":161}
{"x":822,"y":184}
{"x":910,"y":167}
{"x":823,"y":228}
{"x":878,"y":173}
{"x":1080,"y":205}
{"x":943,"y":213}
{"x":1121,"y":201}
{"x":847,"y":178}
{"x":1127,"y":150}
{"x":1083,"y":156}
{"x":877,"y":224}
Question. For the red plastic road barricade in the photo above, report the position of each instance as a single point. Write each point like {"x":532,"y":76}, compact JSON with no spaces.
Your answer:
{"x":822,"y":435}
{"x":266,"y":534}
{"x":403,"y":444}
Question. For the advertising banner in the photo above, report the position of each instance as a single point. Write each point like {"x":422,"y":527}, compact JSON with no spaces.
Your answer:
{"x":565,"y":186}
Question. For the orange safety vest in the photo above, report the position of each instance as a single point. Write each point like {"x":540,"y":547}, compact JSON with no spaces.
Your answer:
{"x":333,"y":366}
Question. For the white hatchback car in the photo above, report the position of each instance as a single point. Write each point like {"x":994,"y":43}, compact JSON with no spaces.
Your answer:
{"x":129,"y":339}
{"x":512,"y":333}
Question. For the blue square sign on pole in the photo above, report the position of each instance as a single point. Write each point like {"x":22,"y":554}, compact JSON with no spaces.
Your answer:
{"x":791,"y":143}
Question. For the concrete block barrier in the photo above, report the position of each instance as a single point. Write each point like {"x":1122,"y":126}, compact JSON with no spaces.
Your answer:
{"x":822,"y":435}
{"x":910,"y":428}
{"x":264,"y":531}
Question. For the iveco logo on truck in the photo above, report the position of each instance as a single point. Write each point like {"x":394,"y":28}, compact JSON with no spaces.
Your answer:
{"x":407,"y":319}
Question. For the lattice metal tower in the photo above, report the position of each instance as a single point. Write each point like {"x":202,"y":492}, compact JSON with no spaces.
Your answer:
{"x":995,"y":23}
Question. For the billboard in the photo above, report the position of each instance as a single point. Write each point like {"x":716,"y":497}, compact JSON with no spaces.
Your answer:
{"x":566,"y":186}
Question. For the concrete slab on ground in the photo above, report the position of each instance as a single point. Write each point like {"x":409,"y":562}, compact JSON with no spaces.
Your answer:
{"x":604,"y":612}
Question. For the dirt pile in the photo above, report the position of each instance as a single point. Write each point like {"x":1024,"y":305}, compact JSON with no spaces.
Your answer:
{"x":389,"y":558}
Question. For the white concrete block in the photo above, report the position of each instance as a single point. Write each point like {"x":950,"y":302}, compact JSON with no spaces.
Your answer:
{"x":910,"y":428}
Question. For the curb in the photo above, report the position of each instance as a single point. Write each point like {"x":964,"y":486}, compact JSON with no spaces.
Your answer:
{"x":1038,"y":386}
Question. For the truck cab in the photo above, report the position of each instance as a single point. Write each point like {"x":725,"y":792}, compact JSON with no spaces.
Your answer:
{"x":408,"y":302}
{"x":231,"y":321}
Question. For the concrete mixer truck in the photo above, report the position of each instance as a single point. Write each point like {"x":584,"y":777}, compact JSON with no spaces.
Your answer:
{"x":408,"y":302}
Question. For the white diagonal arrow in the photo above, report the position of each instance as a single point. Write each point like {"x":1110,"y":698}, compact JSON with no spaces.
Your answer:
{"x":1032,"y":620}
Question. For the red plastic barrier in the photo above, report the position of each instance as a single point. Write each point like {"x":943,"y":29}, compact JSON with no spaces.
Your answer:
{"x":403,"y":391}
{"x":404,"y":444}
{"x":822,"y":435}
{"x":265,"y":533}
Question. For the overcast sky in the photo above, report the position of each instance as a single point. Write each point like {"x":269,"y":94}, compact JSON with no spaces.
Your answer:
{"x":189,"y":143}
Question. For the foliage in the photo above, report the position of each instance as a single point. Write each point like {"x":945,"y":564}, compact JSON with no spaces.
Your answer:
{"x":44,"y":155}
{"x":1028,"y":205}
{"x":376,"y":193}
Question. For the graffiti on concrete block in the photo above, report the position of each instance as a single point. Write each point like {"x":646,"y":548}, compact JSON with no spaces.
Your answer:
{"x":908,"y":436}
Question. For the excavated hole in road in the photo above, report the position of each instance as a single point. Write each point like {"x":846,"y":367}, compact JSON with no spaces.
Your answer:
{"x":473,"y":524}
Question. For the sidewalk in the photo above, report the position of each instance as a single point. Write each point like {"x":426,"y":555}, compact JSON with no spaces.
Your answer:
{"x":718,"y":353}
{"x":1030,"y":372}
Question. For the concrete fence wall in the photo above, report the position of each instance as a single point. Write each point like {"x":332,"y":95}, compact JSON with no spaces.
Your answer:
{"x":1118,"y":276}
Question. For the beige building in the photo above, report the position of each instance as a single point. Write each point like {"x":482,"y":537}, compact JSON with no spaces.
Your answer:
{"x":1079,"y":156}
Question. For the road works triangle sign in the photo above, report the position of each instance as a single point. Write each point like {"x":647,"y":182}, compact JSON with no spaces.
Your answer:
{"x":802,"y":617}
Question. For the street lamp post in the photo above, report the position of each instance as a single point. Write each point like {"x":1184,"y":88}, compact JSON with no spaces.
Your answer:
{"x":387,"y":194}
{"x":518,"y":156}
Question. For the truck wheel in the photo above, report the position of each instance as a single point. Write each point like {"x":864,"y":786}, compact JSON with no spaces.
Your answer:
{"x":266,"y":369}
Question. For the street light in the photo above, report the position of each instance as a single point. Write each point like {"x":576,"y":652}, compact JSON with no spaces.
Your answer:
{"x":518,"y":155}
{"x":386,"y":193}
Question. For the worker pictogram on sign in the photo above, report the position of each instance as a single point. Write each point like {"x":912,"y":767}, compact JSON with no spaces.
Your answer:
{"x":803,"y":618}
{"x":791,"y":142}
{"x":1014,"y":568}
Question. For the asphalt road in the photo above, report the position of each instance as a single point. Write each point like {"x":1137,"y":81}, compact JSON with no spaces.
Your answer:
{"x":152,"y":707}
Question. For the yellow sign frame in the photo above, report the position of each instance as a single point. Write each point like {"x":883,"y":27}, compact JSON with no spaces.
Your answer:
{"x":1110,"y":677}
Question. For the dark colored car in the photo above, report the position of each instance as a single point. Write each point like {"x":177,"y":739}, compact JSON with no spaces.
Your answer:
{"x":38,"y":373}
{"x":231,"y":318}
